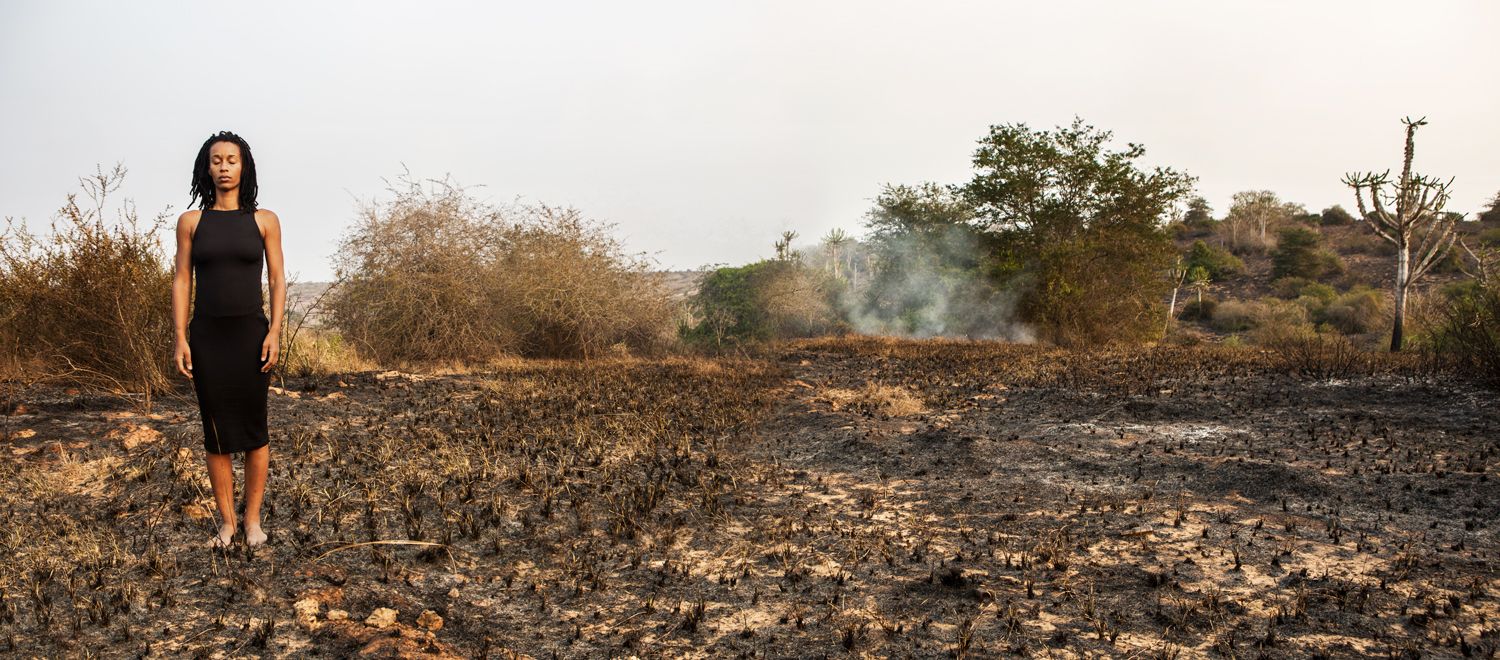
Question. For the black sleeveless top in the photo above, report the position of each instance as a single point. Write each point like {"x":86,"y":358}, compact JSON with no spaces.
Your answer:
{"x":227,"y":254}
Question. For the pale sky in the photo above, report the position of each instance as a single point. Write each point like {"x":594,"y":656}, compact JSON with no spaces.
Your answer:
{"x":703,"y":129}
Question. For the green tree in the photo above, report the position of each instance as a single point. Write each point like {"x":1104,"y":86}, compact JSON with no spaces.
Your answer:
{"x":1299,"y":253}
{"x":1079,"y":227}
{"x":1199,"y":213}
{"x":1336,"y":215}
{"x":933,"y":266}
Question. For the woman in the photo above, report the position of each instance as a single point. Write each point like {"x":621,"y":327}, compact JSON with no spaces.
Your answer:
{"x":229,"y":347}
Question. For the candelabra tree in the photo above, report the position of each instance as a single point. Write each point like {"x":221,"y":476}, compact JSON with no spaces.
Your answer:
{"x":1408,"y":213}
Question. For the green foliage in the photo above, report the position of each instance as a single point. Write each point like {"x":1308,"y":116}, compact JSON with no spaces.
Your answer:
{"x":1079,"y":227}
{"x":1336,"y":215}
{"x":1218,"y":262}
{"x":1489,"y":237}
{"x":768,"y":299}
{"x":1309,"y":219}
{"x":1099,"y":289}
{"x":1299,"y":253}
{"x":1360,"y":310}
{"x":1199,"y":213}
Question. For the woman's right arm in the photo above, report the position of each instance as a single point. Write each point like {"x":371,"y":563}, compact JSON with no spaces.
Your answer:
{"x":182,"y":289}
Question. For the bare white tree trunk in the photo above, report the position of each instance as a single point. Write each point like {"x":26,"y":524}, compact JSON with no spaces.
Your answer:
{"x":1403,"y":282}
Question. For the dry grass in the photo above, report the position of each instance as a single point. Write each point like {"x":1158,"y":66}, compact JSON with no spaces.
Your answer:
{"x":874,"y":398}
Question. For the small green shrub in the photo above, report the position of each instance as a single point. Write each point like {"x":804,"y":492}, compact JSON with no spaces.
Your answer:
{"x":1219,"y":263}
{"x":1296,"y":287}
{"x":1366,"y":243}
{"x":1465,"y":325}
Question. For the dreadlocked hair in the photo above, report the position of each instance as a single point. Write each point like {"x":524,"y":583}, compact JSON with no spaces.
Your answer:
{"x":203,"y":188}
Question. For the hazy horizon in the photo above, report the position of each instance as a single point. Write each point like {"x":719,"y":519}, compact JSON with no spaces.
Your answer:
{"x":704,"y":130}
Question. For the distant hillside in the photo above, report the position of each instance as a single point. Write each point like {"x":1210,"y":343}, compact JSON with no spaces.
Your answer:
{"x":1368,"y":260}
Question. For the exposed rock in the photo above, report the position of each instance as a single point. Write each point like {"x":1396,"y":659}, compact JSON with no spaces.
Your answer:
{"x":134,"y":435}
{"x":307,"y":612}
{"x":337,"y":615}
{"x":382,"y":617}
{"x":430,"y":620}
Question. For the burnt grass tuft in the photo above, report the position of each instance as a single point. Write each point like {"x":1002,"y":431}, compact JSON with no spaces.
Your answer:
{"x":1166,"y":502}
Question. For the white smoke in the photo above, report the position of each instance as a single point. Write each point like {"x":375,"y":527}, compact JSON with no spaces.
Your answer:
{"x":927,"y":286}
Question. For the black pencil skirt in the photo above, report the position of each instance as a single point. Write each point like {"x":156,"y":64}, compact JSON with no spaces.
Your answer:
{"x":231,"y":387}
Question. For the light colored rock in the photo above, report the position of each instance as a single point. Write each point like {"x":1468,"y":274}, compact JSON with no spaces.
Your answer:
{"x":382,"y":617}
{"x":307,"y":612}
{"x":453,"y":593}
{"x":134,"y":435}
{"x":337,"y":615}
{"x":430,"y":620}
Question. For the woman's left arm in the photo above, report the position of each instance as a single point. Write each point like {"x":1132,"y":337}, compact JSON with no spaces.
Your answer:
{"x":276,"y":278}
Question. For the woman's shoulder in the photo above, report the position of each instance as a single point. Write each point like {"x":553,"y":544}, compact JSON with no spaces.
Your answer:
{"x":189,"y":219}
{"x":266,"y":215}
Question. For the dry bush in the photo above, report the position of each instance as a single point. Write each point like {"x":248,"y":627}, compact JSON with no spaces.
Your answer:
{"x":1462,"y":324}
{"x":1265,"y":317}
{"x":570,"y":290}
{"x":436,"y":275}
{"x":90,"y":304}
{"x":1359,"y":311}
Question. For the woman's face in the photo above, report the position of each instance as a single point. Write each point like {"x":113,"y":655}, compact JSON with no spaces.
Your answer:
{"x":224,"y":165}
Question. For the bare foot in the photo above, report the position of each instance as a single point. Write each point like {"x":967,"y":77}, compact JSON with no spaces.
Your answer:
{"x":253,"y":535}
{"x":225,"y":537}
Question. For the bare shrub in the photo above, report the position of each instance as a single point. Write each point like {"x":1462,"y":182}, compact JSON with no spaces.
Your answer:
{"x":90,"y":304}
{"x":1317,"y":355}
{"x":435,"y":274}
{"x":570,"y":290}
{"x":1462,"y":323}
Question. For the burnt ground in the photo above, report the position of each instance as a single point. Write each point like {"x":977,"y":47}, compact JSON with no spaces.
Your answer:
{"x":836,"y":497}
